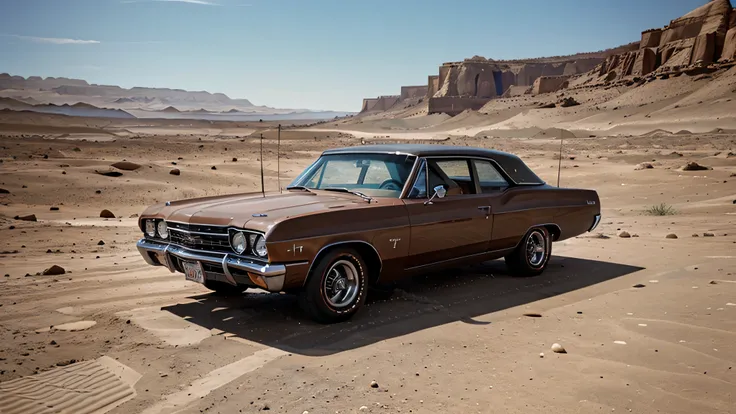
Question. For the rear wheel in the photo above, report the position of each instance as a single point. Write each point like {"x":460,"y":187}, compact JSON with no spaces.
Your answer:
{"x":336,"y":287}
{"x":531,"y":256}
{"x":224,"y":289}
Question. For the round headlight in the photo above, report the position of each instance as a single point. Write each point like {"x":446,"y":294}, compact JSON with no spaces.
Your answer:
{"x":150,"y":228}
{"x":259,"y":248}
{"x":163,"y":229}
{"x":238,"y":242}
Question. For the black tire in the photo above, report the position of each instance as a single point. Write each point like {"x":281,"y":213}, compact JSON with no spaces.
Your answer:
{"x":341,"y":267}
{"x":521,"y":262}
{"x":224,"y":289}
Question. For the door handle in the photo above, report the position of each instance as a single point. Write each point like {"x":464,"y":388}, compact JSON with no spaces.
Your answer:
{"x":484,"y":208}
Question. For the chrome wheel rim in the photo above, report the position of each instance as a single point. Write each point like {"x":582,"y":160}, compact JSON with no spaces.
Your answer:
{"x":536,"y":250}
{"x":341,"y":284}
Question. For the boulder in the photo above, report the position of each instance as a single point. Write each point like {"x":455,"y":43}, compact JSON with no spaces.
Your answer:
{"x":107,"y":214}
{"x":126,"y":166}
{"x":694,"y":166}
{"x":54,"y":271}
{"x":175,"y":171}
{"x":29,"y":217}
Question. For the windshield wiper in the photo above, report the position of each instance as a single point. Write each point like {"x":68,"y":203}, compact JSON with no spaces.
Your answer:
{"x":299,"y":187}
{"x":345,"y":190}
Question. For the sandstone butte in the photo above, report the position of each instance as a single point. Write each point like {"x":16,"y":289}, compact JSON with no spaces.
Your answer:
{"x":703,"y":39}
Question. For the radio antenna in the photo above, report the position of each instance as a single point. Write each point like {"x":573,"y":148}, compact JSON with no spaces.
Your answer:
{"x":559,"y":164}
{"x":278,"y":159}
{"x":263,"y":186}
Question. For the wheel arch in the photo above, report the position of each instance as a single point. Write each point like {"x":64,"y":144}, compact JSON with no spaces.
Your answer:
{"x":366,"y":250}
{"x":553,"y":229}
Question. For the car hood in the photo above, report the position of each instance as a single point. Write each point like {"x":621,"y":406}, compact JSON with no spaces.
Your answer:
{"x":262,"y":212}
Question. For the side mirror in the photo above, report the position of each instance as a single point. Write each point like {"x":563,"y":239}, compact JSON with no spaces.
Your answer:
{"x":439,"y":192}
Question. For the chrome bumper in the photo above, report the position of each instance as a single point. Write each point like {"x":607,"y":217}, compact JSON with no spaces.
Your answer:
{"x":596,"y":221}
{"x":270,"y":276}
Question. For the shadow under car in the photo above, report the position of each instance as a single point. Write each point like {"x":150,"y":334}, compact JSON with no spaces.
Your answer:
{"x":419,"y":303}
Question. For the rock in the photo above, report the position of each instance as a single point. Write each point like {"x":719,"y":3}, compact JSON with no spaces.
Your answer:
{"x":4,"y":191}
{"x":709,"y":235}
{"x":624,"y":235}
{"x":126,"y":166}
{"x":639,"y":286}
{"x":175,"y":171}
{"x":235,"y":159}
{"x":213,"y":167}
{"x":547,"y":106}
{"x":54,"y":209}
{"x":110,"y":173}
{"x":541,"y":354}
{"x":569,"y":101}
{"x":30,"y":217}
{"x":101,"y":243}
{"x":694,"y":166}
{"x":533,"y":315}
{"x":107,"y":214}
{"x":644,"y":166}
{"x":54,"y":271}
{"x":558,"y":349}
{"x":134,"y":215}
{"x":671,"y":236}
{"x":695,"y":235}
{"x":363,"y":408}
{"x":374,"y":384}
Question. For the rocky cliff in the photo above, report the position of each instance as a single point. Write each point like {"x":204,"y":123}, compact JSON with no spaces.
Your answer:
{"x":702,"y":37}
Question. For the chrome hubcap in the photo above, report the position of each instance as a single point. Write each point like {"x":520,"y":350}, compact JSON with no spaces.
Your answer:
{"x":536,"y":250}
{"x":341,"y":284}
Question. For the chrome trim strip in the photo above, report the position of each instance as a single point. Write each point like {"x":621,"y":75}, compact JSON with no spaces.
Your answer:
{"x":196,"y":224}
{"x":227,"y":261}
{"x":410,"y":179}
{"x":457,"y":258}
{"x":197,"y":232}
{"x":311,"y":265}
{"x":596,"y":221}
{"x":495,"y":163}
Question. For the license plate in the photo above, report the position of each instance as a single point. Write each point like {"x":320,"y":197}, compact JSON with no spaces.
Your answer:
{"x":193,"y":271}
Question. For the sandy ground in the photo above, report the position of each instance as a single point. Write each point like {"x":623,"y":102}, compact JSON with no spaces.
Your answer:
{"x":136,"y":339}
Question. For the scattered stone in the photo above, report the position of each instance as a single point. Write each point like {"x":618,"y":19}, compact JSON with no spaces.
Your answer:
{"x":98,"y":192}
{"x":4,"y":191}
{"x":30,"y":217}
{"x":101,"y":243}
{"x":107,"y":214}
{"x":713,"y":282}
{"x":709,"y":235}
{"x":213,"y":167}
{"x":235,"y":159}
{"x":363,"y":408}
{"x":134,"y":215}
{"x":110,"y":173}
{"x":533,"y":315}
{"x":694,"y":166}
{"x":52,"y":342}
{"x":541,"y":354}
{"x":54,"y":209}
{"x":569,"y":101}
{"x":126,"y":166}
{"x":624,"y":235}
{"x":374,"y":384}
{"x":619,"y":342}
{"x":644,"y":166}
{"x":695,"y":235}
{"x":175,"y":171}
{"x":558,"y":349}
{"x":671,"y":236}
{"x":54,"y":271}
{"x":639,"y":286}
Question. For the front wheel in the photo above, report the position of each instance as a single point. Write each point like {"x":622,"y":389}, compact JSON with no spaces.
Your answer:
{"x":336,"y":288}
{"x":531,"y":256}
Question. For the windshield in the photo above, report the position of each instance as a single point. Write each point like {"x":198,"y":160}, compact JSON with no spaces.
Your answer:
{"x":377,"y":175}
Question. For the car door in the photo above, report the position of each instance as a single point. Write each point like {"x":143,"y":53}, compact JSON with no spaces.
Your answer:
{"x":454,"y":226}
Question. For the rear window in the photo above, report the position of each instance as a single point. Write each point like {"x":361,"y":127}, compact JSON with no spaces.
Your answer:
{"x":518,"y":171}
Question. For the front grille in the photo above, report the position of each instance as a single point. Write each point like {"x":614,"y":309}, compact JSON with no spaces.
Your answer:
{"x":200,"y":237}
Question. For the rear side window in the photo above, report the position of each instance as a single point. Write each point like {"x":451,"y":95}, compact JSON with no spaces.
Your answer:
{"x":489,"y":179}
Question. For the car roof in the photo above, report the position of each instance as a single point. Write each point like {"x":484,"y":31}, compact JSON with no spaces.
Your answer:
{"x":512,"y":165}
{"x":421,"y":150}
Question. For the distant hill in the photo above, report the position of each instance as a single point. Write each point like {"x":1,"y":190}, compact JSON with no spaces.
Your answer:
{"x":77,"y":109}
{"x":57,"y":94}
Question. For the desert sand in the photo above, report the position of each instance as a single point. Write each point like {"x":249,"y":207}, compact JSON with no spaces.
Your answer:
{"x":648,"y":322}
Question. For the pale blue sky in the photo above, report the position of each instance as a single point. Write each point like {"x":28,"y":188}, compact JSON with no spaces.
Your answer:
{"x":317,"y":54}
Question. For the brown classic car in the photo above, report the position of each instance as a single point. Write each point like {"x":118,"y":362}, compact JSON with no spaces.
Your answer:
{"x":366,"y":216}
